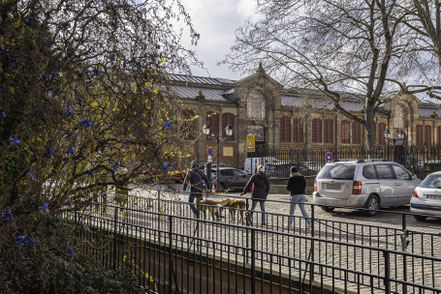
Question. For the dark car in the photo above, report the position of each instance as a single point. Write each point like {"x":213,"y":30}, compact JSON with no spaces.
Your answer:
{"x":230,"y":179}
{"x":283,"y":170}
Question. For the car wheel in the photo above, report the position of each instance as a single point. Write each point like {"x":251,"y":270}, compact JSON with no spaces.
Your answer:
{"x":420,"y":218}
{"x":327,"y":208}
{"x":372,"y":204}
{"x":221,"y":187}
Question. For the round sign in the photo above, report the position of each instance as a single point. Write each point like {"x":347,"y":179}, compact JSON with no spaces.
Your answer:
{"x":209,"y":151}
{"x":328,"y":156}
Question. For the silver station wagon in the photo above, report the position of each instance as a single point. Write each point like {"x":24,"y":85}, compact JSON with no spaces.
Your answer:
{"x":426,"y":198}
{"x":363,"y":184}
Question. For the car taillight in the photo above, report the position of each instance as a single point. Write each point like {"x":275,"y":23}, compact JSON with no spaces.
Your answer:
{"x":356,"y":187}
{"x":415,"y":194}
{"x":315,"y":185}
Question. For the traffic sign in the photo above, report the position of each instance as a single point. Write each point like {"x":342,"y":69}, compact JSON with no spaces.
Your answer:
{"x":210,"y":158}
{"x":251,"y":143}
{"x":209,"y":151}
{"x":328,"y":157}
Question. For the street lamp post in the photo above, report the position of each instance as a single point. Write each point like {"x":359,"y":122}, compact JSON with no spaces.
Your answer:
{"x":397,"y":144}
{"x":228,"y":132}
{"x":387,"y":137}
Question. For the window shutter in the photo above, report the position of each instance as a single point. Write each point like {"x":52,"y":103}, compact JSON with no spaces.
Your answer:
{"x":282,"y":129}
{"x":317,"y":130}
{"x":439,"y":135}
{"x":419,"y":135}
{"x":428,"y":135}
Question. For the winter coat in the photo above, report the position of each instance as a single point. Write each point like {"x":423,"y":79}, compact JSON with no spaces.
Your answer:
{"x":296,"y":184}
{"x":195,"y":179}
{"x":261,"y":186}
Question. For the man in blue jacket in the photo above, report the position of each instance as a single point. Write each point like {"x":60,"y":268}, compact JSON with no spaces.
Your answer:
{"x":195,"y":178}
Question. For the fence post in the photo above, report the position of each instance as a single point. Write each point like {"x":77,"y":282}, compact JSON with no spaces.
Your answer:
{"x":386,"y":255}
{"x":404,"y":243}
{"x":115,"y":227}
{"x":312,"y":243}
{"x":159,"y":200}
{"x":248,"y":223}
{"x":253,"y":257}
{"x":170,"y":259}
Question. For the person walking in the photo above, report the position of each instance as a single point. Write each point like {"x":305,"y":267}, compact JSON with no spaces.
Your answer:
{"x":296,"y":186}
{"x":260,"y":190}
{"x":195,"y":178}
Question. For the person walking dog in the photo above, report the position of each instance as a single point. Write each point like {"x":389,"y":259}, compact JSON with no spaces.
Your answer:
{"x":296,"y":186}
{"x":195,"y":178}
{"x":260,"y":190}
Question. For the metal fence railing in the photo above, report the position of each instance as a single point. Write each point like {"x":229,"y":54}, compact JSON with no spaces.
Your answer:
{"x":418,"y":159}
{"x":335,"y":255}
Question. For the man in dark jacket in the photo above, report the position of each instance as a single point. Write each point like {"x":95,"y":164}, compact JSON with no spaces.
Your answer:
{"x":195,"y":179}
{"x":296,"y":187}
{"x":260,"y":190}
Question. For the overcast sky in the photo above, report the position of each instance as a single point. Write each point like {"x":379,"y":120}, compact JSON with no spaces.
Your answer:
{"x":216,"y":22}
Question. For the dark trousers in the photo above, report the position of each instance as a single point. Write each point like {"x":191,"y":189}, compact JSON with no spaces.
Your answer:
{"x":262,"y":207}
{"x":193,"y":207}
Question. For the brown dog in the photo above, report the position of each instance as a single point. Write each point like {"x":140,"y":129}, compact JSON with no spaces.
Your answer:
{"x":210,"y":205}
{"x":233,"y":205}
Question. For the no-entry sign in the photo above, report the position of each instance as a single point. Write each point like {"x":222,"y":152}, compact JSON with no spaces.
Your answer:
{"x":328,"y":157}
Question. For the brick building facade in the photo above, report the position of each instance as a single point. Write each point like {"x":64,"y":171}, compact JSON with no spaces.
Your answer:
{"x":297,"y":118}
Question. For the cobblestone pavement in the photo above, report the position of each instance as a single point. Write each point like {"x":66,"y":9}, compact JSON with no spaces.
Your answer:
{"x":345,"y":245}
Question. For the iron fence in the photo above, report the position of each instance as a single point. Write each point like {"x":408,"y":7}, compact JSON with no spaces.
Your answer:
{"x":172,"y":251}
{"x":420,"y":160}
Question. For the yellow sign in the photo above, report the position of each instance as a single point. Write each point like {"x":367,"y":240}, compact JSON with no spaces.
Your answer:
{"x":251,"y":143}
{"x":228,"y":151}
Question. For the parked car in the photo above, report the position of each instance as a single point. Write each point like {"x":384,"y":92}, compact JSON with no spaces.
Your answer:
{"x":283,"y":170}
{"x":251,"y":163}
{"x":314,"y":165}
{"x":363,"y":184}
{"x":426,"y":198}
{"x":230,"y":178}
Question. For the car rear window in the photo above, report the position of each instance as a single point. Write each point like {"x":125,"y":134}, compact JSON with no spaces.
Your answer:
{"x":337,"y":172}
{"x":369,"y":172}
{"x":431,"y":182}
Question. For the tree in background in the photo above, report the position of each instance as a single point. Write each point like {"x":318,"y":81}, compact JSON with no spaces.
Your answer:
{"x":83,"y":96}
{"x":424,"y":20}
{"x":358,"y":47}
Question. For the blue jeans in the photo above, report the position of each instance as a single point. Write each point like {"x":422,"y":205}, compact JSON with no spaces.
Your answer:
{"x":262,"y":207}
{"x":300,"y":200}
{"x":193,"y":207}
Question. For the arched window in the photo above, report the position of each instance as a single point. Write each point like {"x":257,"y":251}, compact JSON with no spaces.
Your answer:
{"x":428,"y":135}
{"x":329,"y":131}
{"x":190,"y":125}
{"x":380,"y":135}
{"x":419,"y":135}
{"x":213,"y":121}
{"x":316,"y":130}
{"x":227,"y":119}
{"x":356,"y":132}
{"x":285,"y":129}
{"x":297,"y":130}
{"x":345,"y":132}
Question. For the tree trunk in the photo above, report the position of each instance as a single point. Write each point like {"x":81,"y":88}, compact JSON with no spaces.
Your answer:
{"x":370,"y":127}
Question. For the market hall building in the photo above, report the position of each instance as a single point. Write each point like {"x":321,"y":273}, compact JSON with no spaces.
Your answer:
{"x":290,"y":119}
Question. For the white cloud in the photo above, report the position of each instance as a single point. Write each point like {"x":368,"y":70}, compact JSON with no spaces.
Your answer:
{"x":216,"y":21}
